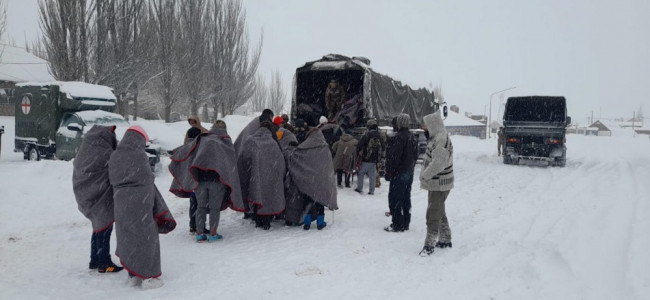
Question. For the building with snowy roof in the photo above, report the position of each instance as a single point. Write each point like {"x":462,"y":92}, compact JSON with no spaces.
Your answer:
{"x":457,"y":124}
{"x":16,"y":66}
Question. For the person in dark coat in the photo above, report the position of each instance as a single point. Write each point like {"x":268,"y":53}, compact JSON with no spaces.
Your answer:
{"x":194,"y":131}
{"x":330,"y":130}
{"x":261,"y":167}
{"x":301,"y":129}
{"x":370,"y":148}
{"x":94,"y":193}
{"x":401,"y":156}
{"x":311,"y":171}
{"x":208,"y":167}
{"x":345,"y":152}
{"x":140,"y":210}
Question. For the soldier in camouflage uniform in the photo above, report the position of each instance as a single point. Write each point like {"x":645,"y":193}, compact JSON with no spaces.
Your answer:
{"x":334,"y":97}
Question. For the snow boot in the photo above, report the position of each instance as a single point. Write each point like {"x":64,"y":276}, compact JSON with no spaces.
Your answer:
{"x":391,"y":228}
{"x":320,"y":222}
{"x":426,"y":251}
{"x":109,"y":268}
{"x":443,"y":244}
{"x":307,"y":222}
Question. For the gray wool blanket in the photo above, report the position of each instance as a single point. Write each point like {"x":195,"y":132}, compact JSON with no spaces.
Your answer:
{"x":261,"y":173}
{"x":249,"y":130}
{"x":92,"y":189}
{"x":311,"y":170}
{"x":287,"y":138}
{"x":213,"y":151}
{"x":140,"y":210}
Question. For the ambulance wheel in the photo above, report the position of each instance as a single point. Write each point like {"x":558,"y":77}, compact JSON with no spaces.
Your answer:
{"x":33,"y":154}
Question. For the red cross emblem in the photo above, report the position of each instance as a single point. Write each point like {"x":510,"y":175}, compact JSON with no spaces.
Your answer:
{"x":26,"y":105}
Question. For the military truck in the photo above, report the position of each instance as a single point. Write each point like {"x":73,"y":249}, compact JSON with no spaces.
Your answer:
{"x":52,"y":117}
{"x":369,"y":95}
{"x":535,"y":129}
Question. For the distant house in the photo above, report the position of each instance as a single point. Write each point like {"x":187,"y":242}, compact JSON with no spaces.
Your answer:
{"x":18,"y":65}
{"x":457,"y":124}
{"x":602,"y":129}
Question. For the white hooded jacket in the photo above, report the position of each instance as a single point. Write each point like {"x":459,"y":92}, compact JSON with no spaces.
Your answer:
{"x":437,"y":168}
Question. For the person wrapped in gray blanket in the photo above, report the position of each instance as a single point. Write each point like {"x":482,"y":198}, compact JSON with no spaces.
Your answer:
{"x":207,"y":167}
{"x":260,"y":164}
{"x":140,"y":210}
{"x":311,"y":172}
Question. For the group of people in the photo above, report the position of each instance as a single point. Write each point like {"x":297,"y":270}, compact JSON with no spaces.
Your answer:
{"x":113,"y":183}
{"x":273,"y":170}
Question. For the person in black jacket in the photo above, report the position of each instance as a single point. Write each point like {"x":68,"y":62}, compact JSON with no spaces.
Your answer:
{"x":401,"y":156}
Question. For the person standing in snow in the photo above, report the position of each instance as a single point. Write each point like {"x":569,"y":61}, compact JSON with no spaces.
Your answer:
{"x":301,"y":129}
{"x":195,"y":122}
{"x":501,"y":142}
{"x":401,"y":156}
{"x":311,"y":172}
{"x":207,"y":166}
{"x":94,"y":193}
{"x":330,"y":130}
{"x":345,"y":152}
{"x":250,"y":129}
{"x":261,"y":166}
{"x":140,"y":210}
{"x":195,"y":130}
{"x":437,"y":177}
{"x":369,"y":148}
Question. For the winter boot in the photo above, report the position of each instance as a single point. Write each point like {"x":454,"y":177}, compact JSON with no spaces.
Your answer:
{"x":109,"y":268}
{"x":307,"y":222}
{"x":134,"y":280}
{"x":426,"y":251}
{"x":320,"y":222}
{"x":443,"y":244}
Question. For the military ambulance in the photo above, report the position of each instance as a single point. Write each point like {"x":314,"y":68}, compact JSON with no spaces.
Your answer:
{"x":51,"y":118}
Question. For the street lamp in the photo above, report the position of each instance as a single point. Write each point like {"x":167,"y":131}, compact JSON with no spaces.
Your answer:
{"x":490,"y":118}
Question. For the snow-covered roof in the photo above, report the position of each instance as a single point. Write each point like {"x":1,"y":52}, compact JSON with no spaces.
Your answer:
{"x":18,"y":65}
{"x":454,"y":119}
{"x":77,"y":89}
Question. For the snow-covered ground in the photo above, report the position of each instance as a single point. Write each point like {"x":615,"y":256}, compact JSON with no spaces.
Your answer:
{"x":519,"y":232}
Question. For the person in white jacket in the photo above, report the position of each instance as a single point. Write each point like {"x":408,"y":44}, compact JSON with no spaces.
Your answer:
{"x":437,"y":177}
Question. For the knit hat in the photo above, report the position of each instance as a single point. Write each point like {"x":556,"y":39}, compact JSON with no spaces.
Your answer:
{"x":403,"y":121}
{"x":371,"y":122}
{"x":277,"y":120}
{"x":322,"y":120}
{"x":139,"y":130}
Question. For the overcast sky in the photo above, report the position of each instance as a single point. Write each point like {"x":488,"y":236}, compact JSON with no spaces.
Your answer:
{"x":595,"y":53}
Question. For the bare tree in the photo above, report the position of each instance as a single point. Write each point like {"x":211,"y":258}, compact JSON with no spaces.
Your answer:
{"x":232,"y":70}
{"x":165,"y":20}
{"x":191,"y":51}
{"x":277,"y":94}
{"x":3,"y":18}
{"x":65,"y":27}
{"x":260,"y":95}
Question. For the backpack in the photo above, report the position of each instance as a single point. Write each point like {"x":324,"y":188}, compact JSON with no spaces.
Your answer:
{"x":373,"y":149}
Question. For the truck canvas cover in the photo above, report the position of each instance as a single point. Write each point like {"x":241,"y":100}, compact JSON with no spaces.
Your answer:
{"x":382,"y":97}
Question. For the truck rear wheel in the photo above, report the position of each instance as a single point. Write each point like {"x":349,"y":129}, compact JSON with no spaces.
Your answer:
{"x":33,"y":154}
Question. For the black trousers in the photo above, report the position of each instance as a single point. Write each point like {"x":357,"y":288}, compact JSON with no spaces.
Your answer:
{"x":399,"y":200}
{"x":339,"y":177}
{"x":100,"y":247}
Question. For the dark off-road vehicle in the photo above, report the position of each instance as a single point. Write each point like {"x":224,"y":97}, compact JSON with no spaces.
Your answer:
{"x":535,"y":129}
